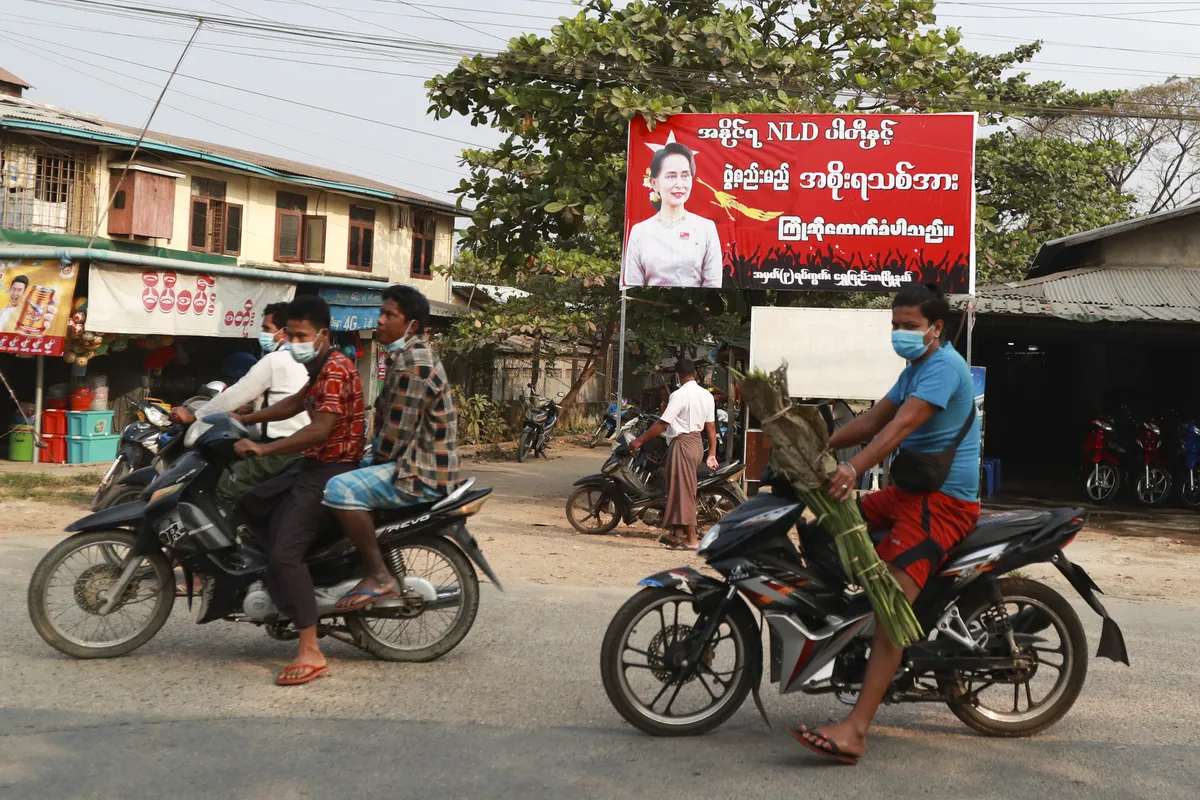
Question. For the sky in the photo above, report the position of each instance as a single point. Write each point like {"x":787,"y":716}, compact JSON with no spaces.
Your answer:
{"x":367,"y":114}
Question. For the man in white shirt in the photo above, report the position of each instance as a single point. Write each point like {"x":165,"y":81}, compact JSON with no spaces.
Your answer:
{"x":690,"y":410}
{"x":276,"y":376}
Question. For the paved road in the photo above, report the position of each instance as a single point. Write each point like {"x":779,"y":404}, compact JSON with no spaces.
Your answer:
{"x":518,"y":711}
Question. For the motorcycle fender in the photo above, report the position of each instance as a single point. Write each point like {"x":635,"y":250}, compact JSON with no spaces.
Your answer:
{"x":126,"y":515}
{"x":600,"y":479}
{"x":463,"y":538}
{"x":685,"y":578}
{"x":1103,"y":456}
{"x":139,"y":477}
{"x":1112,"y":642}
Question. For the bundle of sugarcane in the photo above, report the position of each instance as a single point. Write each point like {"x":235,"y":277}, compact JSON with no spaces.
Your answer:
{"x":800,"y":451}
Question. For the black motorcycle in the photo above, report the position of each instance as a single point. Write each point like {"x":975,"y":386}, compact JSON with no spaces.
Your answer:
{"x":1008,"y":655}
{"x":108,"y":589}
{"x":629,"y":487}
{"x":140,"y":443}
{"x":608,"y":427}
{"x":541,"y":415}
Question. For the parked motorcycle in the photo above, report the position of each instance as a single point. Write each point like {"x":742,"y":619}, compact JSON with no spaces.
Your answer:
{"x":1007,"y":655}
{"x":1153,"y":469}
{"x":1189,"y":478}
{"x":625,"y":489}
{"x":1103,"y":460}
{"x":108,"y":589}
{"x":541,"y":415}
{"x":608,"y":427}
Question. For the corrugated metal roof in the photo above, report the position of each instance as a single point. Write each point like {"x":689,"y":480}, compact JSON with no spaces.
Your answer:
{"x":8,"y":77}
{"x":18,"y":114}
{"x":1099,"y":294}
{"x":1046,"y":255}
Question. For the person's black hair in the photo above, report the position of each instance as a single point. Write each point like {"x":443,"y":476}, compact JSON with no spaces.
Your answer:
{"x":19,"y":279}
{"x":929,"y":299}
{"x":309,"y":308}
{"x":671,"y":149}
{"x":278,"y":312}
{"x":685,"y":368}
{"x":412,"y":303}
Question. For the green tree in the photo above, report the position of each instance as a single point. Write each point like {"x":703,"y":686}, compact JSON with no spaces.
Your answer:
{"x":563,"y":103}
{"x":1030,"y":190}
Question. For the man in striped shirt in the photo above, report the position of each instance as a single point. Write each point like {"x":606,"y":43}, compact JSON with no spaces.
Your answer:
{"x":414,"y":458}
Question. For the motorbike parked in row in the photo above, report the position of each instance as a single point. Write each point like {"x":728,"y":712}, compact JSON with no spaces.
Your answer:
{"x":1109,"y":461}
{"x":629,"y":488}
{"x":107,"y":590}
{"x":1007,"y":655}
{"x":1189,"y":473}
{"x":537,"y":427}
{"x":609,"y":427}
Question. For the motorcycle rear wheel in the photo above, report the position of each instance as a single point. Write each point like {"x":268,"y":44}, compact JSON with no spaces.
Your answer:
{"x":383,"y":636}
{"x":1069,"y":660}
{"x":652,"y":664}
{"x":84,"y":593}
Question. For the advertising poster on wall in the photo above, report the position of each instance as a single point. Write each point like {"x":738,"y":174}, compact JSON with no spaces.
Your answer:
{"x":151,"y":301}
{"x":854,"y":202}
{"x":35,"y":305}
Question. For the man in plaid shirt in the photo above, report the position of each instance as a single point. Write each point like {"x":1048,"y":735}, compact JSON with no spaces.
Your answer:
{"x":414,"y":459}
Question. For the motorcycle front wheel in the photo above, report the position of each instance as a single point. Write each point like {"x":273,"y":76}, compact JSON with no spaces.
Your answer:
{"x":1153,"y":486}
{"x":641,"y":664}
{"x":422,"y":630}
{"x":1103,"y":482}
{"x":592,"y":511}
{"x":600,"y":435}
{"x":1189,"y":489}
{"x":525,"y":445}
{"x":71,"y":583}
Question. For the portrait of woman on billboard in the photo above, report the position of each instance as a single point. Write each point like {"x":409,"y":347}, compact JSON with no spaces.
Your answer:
{"x":674,"y":247}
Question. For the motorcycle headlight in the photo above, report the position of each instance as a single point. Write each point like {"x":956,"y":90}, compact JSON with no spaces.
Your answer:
{"x":156,"y":416}
{"x":709,"y":538}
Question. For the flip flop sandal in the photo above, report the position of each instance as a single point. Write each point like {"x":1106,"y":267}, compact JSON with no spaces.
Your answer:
{"x":363,"y":598}
{"x":682,"y":546}
{"x":304,"y":677}
{"x":823,"y":747}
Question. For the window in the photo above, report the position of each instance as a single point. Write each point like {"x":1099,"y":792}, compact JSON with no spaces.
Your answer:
{"x":55,"y":175}
{"x":424,"y":233}
{"x":216,"y":225}
{"x":362,"y":239}
{"x":299,"y":237}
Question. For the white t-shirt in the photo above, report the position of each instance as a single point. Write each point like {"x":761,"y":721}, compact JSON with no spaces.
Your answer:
{"x":688,"y":409}
{"x":685,"y":254}
{"x":276,"y":374}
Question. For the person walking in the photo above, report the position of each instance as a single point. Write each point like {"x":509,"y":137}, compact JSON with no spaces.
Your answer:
{"x":689,"y":411}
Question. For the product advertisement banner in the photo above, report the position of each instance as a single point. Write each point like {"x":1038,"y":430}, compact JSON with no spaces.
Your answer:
{"x":123,"y":300}
{"x":854,"y":202}
{"x":35,"y":305}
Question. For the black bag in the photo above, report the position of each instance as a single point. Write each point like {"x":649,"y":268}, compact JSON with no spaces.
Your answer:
{"x":926,"y":472}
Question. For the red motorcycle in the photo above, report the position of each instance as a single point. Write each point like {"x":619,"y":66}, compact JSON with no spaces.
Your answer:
{"x":1102,"y":457}
{"x":1153,"y":468}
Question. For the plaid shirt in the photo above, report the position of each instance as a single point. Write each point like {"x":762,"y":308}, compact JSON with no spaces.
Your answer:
{"x":338,"y":390}
{"x":416,"y":421}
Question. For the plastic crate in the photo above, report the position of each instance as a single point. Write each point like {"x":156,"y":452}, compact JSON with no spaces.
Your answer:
{"x":55,"y":451}
{"x":92,"y":449}
{"x":54,"y":423}
{"x":89,"y":423}
{"x":989,"y":472}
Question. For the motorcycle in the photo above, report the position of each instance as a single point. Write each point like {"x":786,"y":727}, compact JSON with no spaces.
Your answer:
{"x":625,"y":489}
{"x":1189,"y":480}
{"x":1103,"y":460}
{"x":608,"y":427}
{"x":1153,"y":484}
{"x":139,"y":444}
{"x":541,"y":415}
{"x":681,"y":655}
{"x":107,"y":590}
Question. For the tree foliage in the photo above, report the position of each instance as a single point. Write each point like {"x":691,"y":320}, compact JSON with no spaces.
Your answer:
{"x":562,"y":102}
{"x":1030,"y":190}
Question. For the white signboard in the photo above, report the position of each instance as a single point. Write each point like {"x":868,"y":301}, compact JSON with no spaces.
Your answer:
{"x":159,"y":301}
{"x":831,"y":353}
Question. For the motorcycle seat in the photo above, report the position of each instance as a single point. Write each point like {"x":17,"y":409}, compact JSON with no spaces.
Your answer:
{"x":1002,"y":526}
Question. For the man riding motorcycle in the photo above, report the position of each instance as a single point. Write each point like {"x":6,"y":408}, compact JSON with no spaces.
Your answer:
{"x":930,"y":415}
{"x":276,"y":376}
{"x":285,"y":513}
{"x":414,"y":457}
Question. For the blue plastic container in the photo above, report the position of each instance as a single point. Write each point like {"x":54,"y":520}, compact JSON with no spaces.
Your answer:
{"x":89,"y":423}
{"x":92,"y":449}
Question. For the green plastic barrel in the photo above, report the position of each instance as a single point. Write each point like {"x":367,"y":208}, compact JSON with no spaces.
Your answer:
{"x":20,"y":443}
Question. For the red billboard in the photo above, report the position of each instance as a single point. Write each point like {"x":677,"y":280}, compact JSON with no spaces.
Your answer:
{"x":853,"y":202}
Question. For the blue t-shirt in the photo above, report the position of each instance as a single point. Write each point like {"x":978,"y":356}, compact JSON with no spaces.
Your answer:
{"x":944,"y":380}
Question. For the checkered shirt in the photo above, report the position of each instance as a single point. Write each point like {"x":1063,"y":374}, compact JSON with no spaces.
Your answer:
{"x":416,"y":421}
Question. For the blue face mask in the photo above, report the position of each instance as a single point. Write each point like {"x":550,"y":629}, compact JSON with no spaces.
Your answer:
{"x":909,"y":345}
{"x":267,"y":342}
{"x":305,"y":352}
{"x":397,"y":345}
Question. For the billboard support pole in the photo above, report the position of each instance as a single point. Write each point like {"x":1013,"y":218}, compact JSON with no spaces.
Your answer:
{"x":621,"y":363}
{"x":970,"y":325}
{"x":37,"y":408}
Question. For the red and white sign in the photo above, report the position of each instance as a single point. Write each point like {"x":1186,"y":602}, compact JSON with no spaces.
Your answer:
{"x":856,"y":202}
{"x":164,"y":302}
